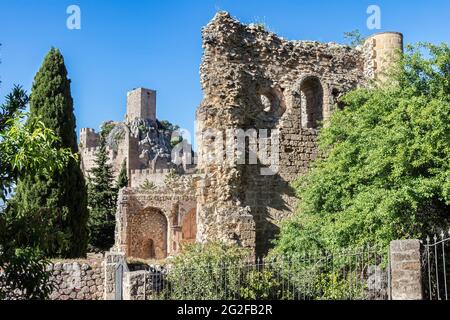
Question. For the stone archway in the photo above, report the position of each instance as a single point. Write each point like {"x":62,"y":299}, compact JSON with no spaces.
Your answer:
{"x":149,"y":234}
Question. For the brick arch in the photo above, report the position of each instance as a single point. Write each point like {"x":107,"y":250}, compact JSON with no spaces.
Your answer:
{"x":149,"y":234}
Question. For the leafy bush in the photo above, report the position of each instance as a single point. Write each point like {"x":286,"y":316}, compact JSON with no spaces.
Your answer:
{"x":260,"y":285}
{"x":26,"y":148}
{"x":386,"y":171}
{"x":206,"y":272}
{"x":168,"y":126}
{"x":175,"y":140}
{"x":24,"y":274}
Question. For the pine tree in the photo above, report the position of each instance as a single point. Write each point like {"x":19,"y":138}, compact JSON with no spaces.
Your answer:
{"x":63,"y":192}
{"x":102,"y":198}
{"x":122,"y":179}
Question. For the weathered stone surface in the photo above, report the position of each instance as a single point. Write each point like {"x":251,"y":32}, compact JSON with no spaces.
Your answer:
{"x":273,"y":90}
{"x":253,"y":79}
{"x":406,"y":273}
{"x":141,"y":141}
{"x":152,"y":224}
{"x":73,"y":284}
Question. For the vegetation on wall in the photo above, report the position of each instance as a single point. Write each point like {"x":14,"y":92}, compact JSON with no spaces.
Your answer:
{"x":166,"y":125}
{"x":147,"y":185}
{"x":386,"y":174}
{"x":106,"y":128}
{"x":63,"y":192}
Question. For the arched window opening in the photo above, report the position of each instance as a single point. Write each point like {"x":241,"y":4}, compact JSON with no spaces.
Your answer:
{"x":311,"y":102}
{"x":272,"y":103}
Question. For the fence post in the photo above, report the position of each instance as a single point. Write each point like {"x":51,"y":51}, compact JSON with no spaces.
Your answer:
{"x":113,"y":261}
{"x":406,"y":270}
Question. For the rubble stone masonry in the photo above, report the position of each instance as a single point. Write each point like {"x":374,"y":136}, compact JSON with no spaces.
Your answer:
{"x":253,"y":79}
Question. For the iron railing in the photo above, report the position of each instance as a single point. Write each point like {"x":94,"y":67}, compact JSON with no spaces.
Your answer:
{"x":349,"y":275}
{"x":436,"y":261}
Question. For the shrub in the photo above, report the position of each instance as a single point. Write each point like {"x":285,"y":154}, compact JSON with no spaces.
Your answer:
{"x":206,"y":272}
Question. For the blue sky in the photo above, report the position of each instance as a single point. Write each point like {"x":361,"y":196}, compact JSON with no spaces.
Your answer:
{"x":157,"y":44}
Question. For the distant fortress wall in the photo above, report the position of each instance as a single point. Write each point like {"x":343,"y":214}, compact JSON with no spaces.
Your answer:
{"x":156,"y":176}
{"x":88,"y":156}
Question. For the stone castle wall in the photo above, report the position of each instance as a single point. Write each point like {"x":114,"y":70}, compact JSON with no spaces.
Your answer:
{"x":156,"y":176}
{"x":253,"y":79}
{"x":257,"y":82}
{"x":138,"y":142}
{"x":88,"y":156}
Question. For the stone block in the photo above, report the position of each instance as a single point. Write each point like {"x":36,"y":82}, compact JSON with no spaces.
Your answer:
{"x":406,"y":273}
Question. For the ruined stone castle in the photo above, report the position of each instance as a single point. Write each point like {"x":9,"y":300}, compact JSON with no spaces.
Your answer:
{"x":270,"y":88}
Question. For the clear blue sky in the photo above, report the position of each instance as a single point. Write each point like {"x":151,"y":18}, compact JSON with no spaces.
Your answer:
{"x":157,"y":44}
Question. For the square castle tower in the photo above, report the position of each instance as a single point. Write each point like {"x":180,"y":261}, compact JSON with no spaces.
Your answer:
{"x":141,"y":103}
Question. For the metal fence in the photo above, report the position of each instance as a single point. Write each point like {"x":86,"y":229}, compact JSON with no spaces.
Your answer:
{"x":435,"y":265}
{"x":348,"y":275}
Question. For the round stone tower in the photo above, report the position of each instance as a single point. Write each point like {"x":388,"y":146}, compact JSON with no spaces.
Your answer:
{"x":384,"y":47}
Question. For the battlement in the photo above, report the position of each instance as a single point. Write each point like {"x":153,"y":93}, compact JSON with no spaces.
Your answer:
{"x":87,"y":130}
{"x":156,"y":176}
{"x":141,"y":103}
{"x":89,"y":138}
{"x":150,"y":171}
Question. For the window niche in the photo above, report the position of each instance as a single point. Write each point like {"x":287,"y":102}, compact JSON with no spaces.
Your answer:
{"x":272,"y":104}
{"x":311,"y":103}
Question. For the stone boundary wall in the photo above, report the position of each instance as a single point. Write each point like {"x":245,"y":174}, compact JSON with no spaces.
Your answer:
{"x":96,"y":278}
{"x":78,"y":280}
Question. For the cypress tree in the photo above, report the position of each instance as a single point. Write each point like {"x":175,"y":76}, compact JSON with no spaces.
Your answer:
{"x":63,"y":192}
{"x":102,"y":198}
{"x":122,"y":179}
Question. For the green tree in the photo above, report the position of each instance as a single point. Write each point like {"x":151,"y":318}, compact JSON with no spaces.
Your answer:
{"x":102,"y":199}
{"x":122,"y":179}
{"x":25,"y":148}
{"x":354,"y":37}
{"x":64,"y":192}
{"x":386,"y":171}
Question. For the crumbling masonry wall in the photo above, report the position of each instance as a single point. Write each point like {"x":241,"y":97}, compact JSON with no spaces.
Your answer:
{"x":77,"y":280}
{"x":253,"y":79}
{"x":152,"y":224}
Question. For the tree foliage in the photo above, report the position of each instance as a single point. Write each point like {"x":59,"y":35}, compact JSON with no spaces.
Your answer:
{"x":25,"y":148}
{"x":122,"y":179}
{"x":64,"y":191}
{"x":102,"y":198}
{"x":386,"y":170}
{"x":354,"y":37}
